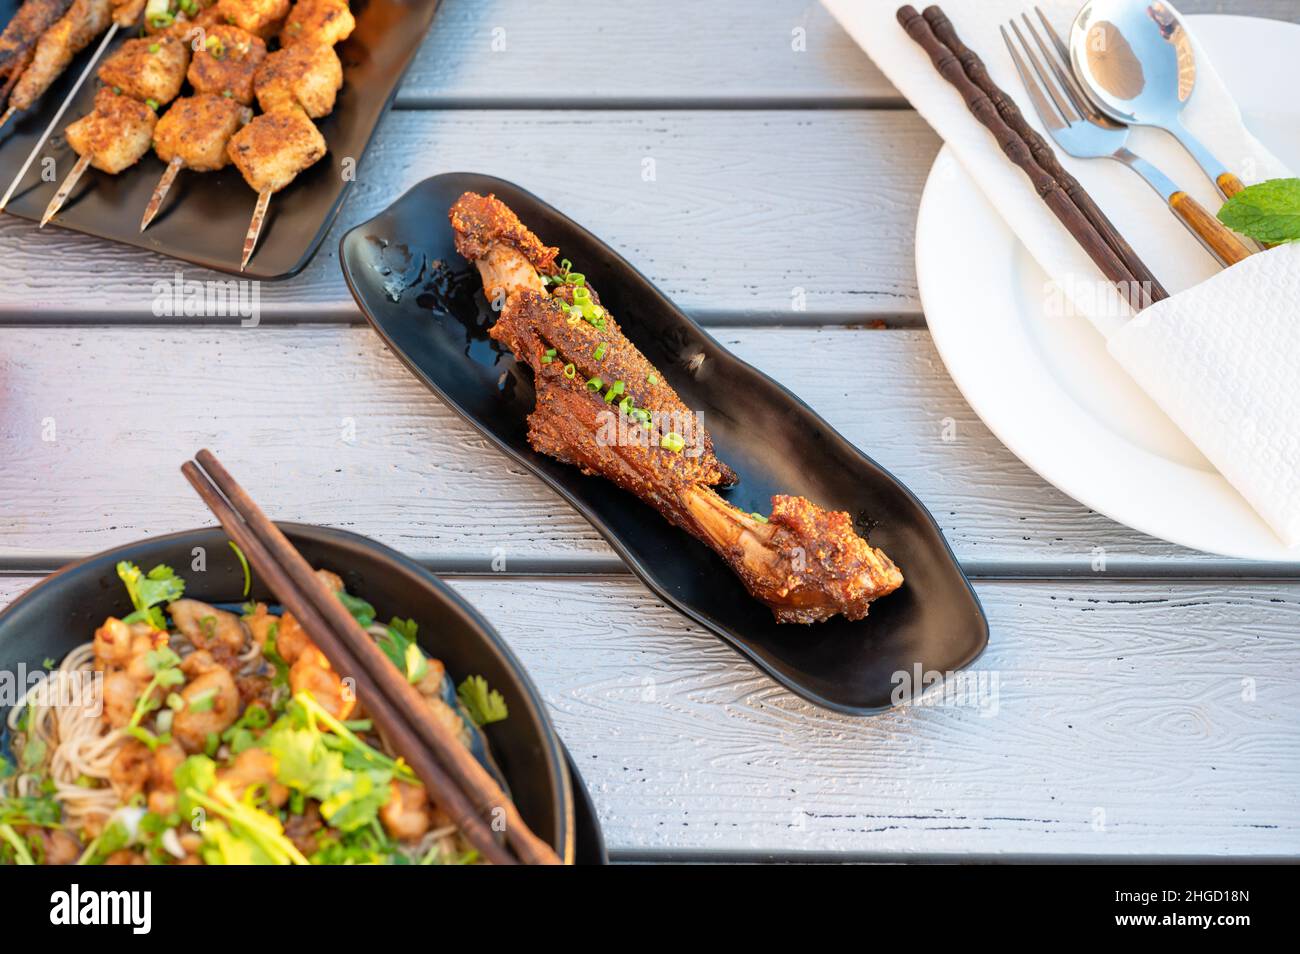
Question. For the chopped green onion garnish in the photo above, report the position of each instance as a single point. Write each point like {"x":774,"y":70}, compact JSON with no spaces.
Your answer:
{"x":652,"y":378}
{"x":569,"y":370}
{"x":599,"y":353}
{"x":577,"y":279}
{"x":595,"y":384}
{"x":614,"y":391}
{"x":759,"y":517}
{"x":626,"y":405}
{"x":580,"y":294}
{"x":673,"y":442}
{"x":154,"y":47}
{"x":549,"y":356}
{"x":152,"y":104}
{"x":160,"y":21}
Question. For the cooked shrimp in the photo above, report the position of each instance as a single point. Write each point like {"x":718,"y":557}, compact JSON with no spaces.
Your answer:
{"x":211,"y":706}
{"x":291,"y":639}
{"x":130,"y":769}
{"x":208,"y":627}
{"x":406,"y":813}
{"x":254,"y":767}
{"x":112,"y":644}
{"x":120,"y":695}
{"x":312,"y":674}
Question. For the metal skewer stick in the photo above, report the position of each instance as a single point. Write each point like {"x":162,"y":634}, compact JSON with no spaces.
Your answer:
{"x":58,"y":115}
{"x":255,"y":226}
{"x":69,"y":183}
{"x":160,"y":191}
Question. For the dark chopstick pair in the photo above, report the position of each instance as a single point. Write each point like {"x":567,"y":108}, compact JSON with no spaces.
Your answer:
{"x":453,"y":777}
{"x":1062,"y":193}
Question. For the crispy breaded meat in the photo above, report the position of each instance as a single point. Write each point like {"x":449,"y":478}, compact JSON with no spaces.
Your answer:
{"x":226,"y":63}
{"x":484,"y":221}
{"x":263,"y":18}
{"x":197,"y":130}
{"x":85,"y":20}
{"x":148,"y":68}
{"x":602,"y":407}
{"x":115,"y":134}
{"x":271,"y":150}
{"x":597,"y":360}
{"x":24,"y":30}
{"x":307,"y":75}
{"x":326,"y":22}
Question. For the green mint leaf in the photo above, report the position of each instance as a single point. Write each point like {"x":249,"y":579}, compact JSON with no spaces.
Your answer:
{"x":1267,"y":212}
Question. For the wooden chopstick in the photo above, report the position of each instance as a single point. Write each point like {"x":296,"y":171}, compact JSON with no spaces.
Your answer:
{"x":386,"y":715}
{"x":1015,"y":148}
{"x":397,"y":708}
{"x":1151,"y":289}
{"x":458,"y":761}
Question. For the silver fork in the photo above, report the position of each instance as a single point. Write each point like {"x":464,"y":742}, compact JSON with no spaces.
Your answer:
{"x":1083,"y":132}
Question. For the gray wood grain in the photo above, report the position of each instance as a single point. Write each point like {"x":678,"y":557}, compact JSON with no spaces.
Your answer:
{"x":327,"y":426}
{"x":585,"y":53}
{"x":1126,"y":719}
{"x":729,"y":227}
{"x":649,"y":55}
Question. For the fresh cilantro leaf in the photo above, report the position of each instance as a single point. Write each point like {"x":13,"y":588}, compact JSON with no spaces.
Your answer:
{"x":197,"y":773}
{"x":483,"y":705}
{"x":148,"y":590}
{"x":399,"y":645}
{"x":1267,"y":211}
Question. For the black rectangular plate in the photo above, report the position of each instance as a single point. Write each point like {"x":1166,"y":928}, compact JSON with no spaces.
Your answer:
{"x":427,"y":304}
{"x":206,"y":215}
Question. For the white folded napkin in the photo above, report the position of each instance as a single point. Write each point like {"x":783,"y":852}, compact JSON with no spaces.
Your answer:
{"x":1239,"y":342}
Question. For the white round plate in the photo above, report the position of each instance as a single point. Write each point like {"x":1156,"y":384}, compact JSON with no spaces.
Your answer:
{"x":1045,"y":385}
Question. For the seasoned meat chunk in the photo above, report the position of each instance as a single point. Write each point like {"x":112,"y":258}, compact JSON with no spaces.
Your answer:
{"x":148,"y":68}
{"x":197,"y":129}
{"x":276,"y":146}
{"x":115,"y":134}
{"x":226,"y":63}
{"x":261,"y":17}
{"x":307,"y":75}
{"x":326,"y":22}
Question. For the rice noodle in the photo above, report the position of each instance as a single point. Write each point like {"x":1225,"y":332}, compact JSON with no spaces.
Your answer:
{"x":79,"y":744}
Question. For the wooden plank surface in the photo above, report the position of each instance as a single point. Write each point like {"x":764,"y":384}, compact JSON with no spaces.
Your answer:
{"x":581,"y":53}
{"x":1114,"y":719}
{"x":326,"y":426}
{"x":593,"y":53}
{"x":729,"y":227}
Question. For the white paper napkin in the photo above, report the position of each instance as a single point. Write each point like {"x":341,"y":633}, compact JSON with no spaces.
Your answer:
{"x":1242,"y":408}
{"x":1223,"y":360}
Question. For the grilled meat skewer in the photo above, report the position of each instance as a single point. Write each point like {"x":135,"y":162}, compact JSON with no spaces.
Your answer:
{"x":294,"y":85}
{"x":269,"y":153}
{"x":193,"y":134}
{"x":807,"y":564}
{"x":111,"y":137}
{"x":19,"y":39}
{"x":148,"y":72}
{"x":55,"y":50}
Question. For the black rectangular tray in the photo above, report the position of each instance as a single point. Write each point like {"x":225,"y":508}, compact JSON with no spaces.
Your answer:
{"x":206,"y":214}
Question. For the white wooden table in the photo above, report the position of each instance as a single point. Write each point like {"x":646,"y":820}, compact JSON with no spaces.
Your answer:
{"x":1152,"y":709}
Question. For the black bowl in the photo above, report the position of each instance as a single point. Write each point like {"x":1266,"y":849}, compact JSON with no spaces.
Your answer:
{"x":427,"y":304}
{"x":62,"y":611}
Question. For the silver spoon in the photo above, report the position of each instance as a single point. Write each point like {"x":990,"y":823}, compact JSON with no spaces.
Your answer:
{"x":1134,"y":58}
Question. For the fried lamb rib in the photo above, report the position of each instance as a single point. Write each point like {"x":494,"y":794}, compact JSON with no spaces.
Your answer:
{"x":602,"y":407}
